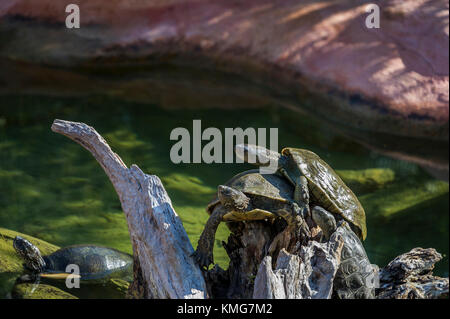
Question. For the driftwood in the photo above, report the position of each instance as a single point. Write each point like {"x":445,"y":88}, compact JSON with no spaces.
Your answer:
{"x":163,"y":267}
{"x":308,"y":275}
{"x":265,"y":260}
{"x":410,"y":276}
{"x":246,"y":246}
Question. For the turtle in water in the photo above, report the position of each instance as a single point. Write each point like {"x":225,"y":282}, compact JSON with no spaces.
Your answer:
{"x":95,"y":263}
{"x":315,"y":181}
{"x":355,"y":277}
{"x":249,"y":196}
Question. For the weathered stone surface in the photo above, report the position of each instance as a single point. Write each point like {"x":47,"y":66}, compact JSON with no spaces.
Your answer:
{"x":409,"y":276}
{"x":387,"y":87}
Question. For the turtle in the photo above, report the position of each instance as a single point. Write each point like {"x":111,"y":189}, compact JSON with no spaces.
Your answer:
{"x":356,"y":277}
{"x":311,"y":176}
{"x":249,"y":196}
{"x":96,"y":263}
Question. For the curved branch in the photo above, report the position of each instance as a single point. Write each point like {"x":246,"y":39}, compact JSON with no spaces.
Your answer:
{"x":161,"y":247}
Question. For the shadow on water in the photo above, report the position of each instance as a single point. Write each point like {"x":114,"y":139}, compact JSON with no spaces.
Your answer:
{"x":53,"y":189}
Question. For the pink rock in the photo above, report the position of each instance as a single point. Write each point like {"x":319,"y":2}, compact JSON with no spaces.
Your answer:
{"x":386,"y":87}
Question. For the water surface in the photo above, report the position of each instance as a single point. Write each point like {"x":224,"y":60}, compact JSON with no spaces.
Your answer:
{"x":53,"y":189}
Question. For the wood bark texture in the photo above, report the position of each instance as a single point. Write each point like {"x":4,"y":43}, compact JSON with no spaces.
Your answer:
{"x":161,"y":247}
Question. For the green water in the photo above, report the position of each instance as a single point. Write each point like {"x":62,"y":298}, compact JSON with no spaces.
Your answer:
{"x":53,"y":189}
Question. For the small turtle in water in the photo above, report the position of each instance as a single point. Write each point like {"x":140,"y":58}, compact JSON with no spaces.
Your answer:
{"x":249,"y":196}
{"x":95,"y":263}
{"x":310,"y":175}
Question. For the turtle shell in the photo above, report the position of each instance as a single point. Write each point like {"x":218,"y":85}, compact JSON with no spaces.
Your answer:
{"x":326,"y":187}
{"x":354,"y":278}
{"x":94,"y":262}
{"x":268,"y":192}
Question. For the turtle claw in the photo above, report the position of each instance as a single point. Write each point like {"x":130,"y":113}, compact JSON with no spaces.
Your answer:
{"x":300,"y":214}
{"x":203,"y":259}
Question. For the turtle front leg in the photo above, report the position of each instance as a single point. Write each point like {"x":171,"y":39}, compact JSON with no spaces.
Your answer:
{"x":301,"y":191}
{"x":204,"y":252}
{"x":297,"y":227}
{"x":301,"y":198}
{"x":230,"y":200}
{"x":300,"y":212}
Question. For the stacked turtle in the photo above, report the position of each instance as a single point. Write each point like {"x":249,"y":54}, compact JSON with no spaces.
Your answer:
{"x":303,"y":186}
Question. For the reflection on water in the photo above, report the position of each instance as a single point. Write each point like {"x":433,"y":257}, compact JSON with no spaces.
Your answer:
{"x":41,"y":288}
{"x":53,"y":189}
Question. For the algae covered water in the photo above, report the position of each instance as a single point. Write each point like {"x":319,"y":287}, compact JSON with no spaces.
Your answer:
{"x":52,"y":189}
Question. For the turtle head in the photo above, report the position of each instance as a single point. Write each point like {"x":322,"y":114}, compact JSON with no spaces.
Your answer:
{"x":232,"y":198}
{"x":257,"y":155}
{"x":30,"y":253}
